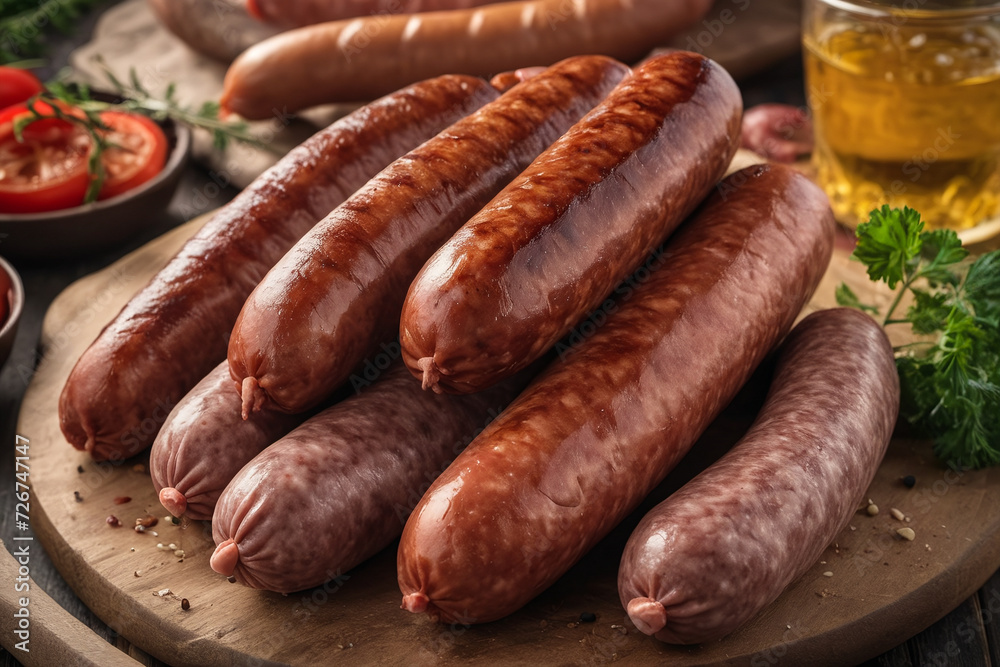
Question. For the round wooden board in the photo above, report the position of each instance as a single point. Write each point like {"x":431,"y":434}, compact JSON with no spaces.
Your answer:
{"x":882,"y":590}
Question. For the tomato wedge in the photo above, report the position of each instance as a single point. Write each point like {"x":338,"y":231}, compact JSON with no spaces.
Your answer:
{"x":140,"y":154}
{"x":17,"y":85}
{"x":48,"y":170}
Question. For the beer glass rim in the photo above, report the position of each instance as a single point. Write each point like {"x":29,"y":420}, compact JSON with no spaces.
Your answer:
{"x":876,"y":10}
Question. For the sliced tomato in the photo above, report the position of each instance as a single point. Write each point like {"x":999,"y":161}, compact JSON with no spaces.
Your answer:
{"x":139,"y":154}
{"x":17,"y":85}
{"x":48,"y":170}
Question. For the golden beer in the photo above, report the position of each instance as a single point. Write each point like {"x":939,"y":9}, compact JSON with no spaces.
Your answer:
{"x":906,"y":107}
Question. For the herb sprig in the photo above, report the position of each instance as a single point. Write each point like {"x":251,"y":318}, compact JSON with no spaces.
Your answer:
{"x":950,"y":377}
{"x":76,"y":104}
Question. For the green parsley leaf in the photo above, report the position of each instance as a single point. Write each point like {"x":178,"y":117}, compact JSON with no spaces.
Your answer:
{"x":888,"y":242}
{"x":950,"y":384}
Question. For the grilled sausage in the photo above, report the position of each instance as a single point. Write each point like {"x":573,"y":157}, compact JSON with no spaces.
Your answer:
{"x":359,"y":59}
{"x":204,"y":443}
{"x":551,"y":247}
{"x":348,"y":477}
{"x":175,"y":330}
{"x":716,"y":552}
{"x":297,"y":13}
{"x":581,"y":446}
{"x":340,"y":290}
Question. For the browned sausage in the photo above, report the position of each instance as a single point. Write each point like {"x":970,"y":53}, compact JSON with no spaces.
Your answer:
{"x":204,"y":442}
{"x":551,"y":247}
{"x":716,"y":552}
{"x":338,"y":489}
{"x":175,"y":330}
{"x":297,"y":13}
{"x":362,"y":58}
{"x":340,"y":289}
{"x":581,"y":446}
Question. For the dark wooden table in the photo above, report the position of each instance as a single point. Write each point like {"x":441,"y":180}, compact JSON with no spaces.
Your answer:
{"x":965,"y":636}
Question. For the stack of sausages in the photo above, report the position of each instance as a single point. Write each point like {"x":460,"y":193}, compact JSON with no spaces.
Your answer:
{"x":482,"y":225}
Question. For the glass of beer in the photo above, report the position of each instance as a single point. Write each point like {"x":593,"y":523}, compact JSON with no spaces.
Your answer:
{"x":905,"y":98}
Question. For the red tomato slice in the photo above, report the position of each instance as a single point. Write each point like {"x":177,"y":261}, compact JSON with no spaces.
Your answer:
{"x":45,"y":172}
{"x":17,"y":85}
{"x":141,"y":156}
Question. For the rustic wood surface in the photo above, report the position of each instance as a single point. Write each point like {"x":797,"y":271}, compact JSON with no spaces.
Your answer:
{"x":967,"y":635}
{"x":879,"y":589}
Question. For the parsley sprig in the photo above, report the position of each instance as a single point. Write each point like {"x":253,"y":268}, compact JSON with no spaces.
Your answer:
{"x":950,"y":376}
{"x":76,"y":104}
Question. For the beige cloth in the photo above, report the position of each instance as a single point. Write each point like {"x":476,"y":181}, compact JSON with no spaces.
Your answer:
{"x":130,"y":36}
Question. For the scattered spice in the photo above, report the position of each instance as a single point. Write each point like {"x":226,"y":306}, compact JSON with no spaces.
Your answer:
{"x":179,"y":553}
{"x":138,"y":467}
{"x":896,"y":514}
{"x":828,"y":574}
{"x":147,"y":521}
{"x":176,"y":520}
{"x":121,"y":500}
{"x":588,"y":617}
{"x":140,"y":529}
{"x":79,"y":469}
{"x":906,"y":533}
{"x":185,"y":605}
{"x":231,"y":579}
{"x":113,"y":521}
{"x":136,"y":573}
{"x":162,"y":593}
{"x":872,"y":508}
{"x":620,"y":628}
{"x":909,"y":481}
{"x":77,"y":497}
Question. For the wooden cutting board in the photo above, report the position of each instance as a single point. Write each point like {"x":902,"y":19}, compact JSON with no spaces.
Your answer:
{"x":870,"y":591}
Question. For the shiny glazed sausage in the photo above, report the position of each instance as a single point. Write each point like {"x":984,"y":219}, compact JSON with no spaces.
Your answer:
{"x":598,"y":429}
{"x":176,"y":329}
{"x":556,"y":241}
{"x":340,"y":289}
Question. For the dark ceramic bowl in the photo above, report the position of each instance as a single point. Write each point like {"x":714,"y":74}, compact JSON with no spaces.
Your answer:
{"x":98,"y":226}
{"x":8,"y":328}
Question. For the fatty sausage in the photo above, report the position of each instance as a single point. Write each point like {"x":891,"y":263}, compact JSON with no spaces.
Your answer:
{"x":580,"y":448}
{"x":175,"y":330}
{"x":359,"y":59}
{"x":716,"y":552}
{"x":550,"y":248}
{"x":338,"y":489}
{"x":340,"y":289}
{"x":204,"y":442}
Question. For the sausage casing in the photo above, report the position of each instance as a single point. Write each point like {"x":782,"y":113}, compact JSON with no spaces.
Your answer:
{"x":556,"y":241}
{"x":598,"y":429}
{"x":338,"y":489}
{"x":341,"y":288}
{"x":176,"y":329}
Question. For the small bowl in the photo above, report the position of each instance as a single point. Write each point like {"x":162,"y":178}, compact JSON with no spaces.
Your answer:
{"x":101,"y":225}
{"x":8,"y":328}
